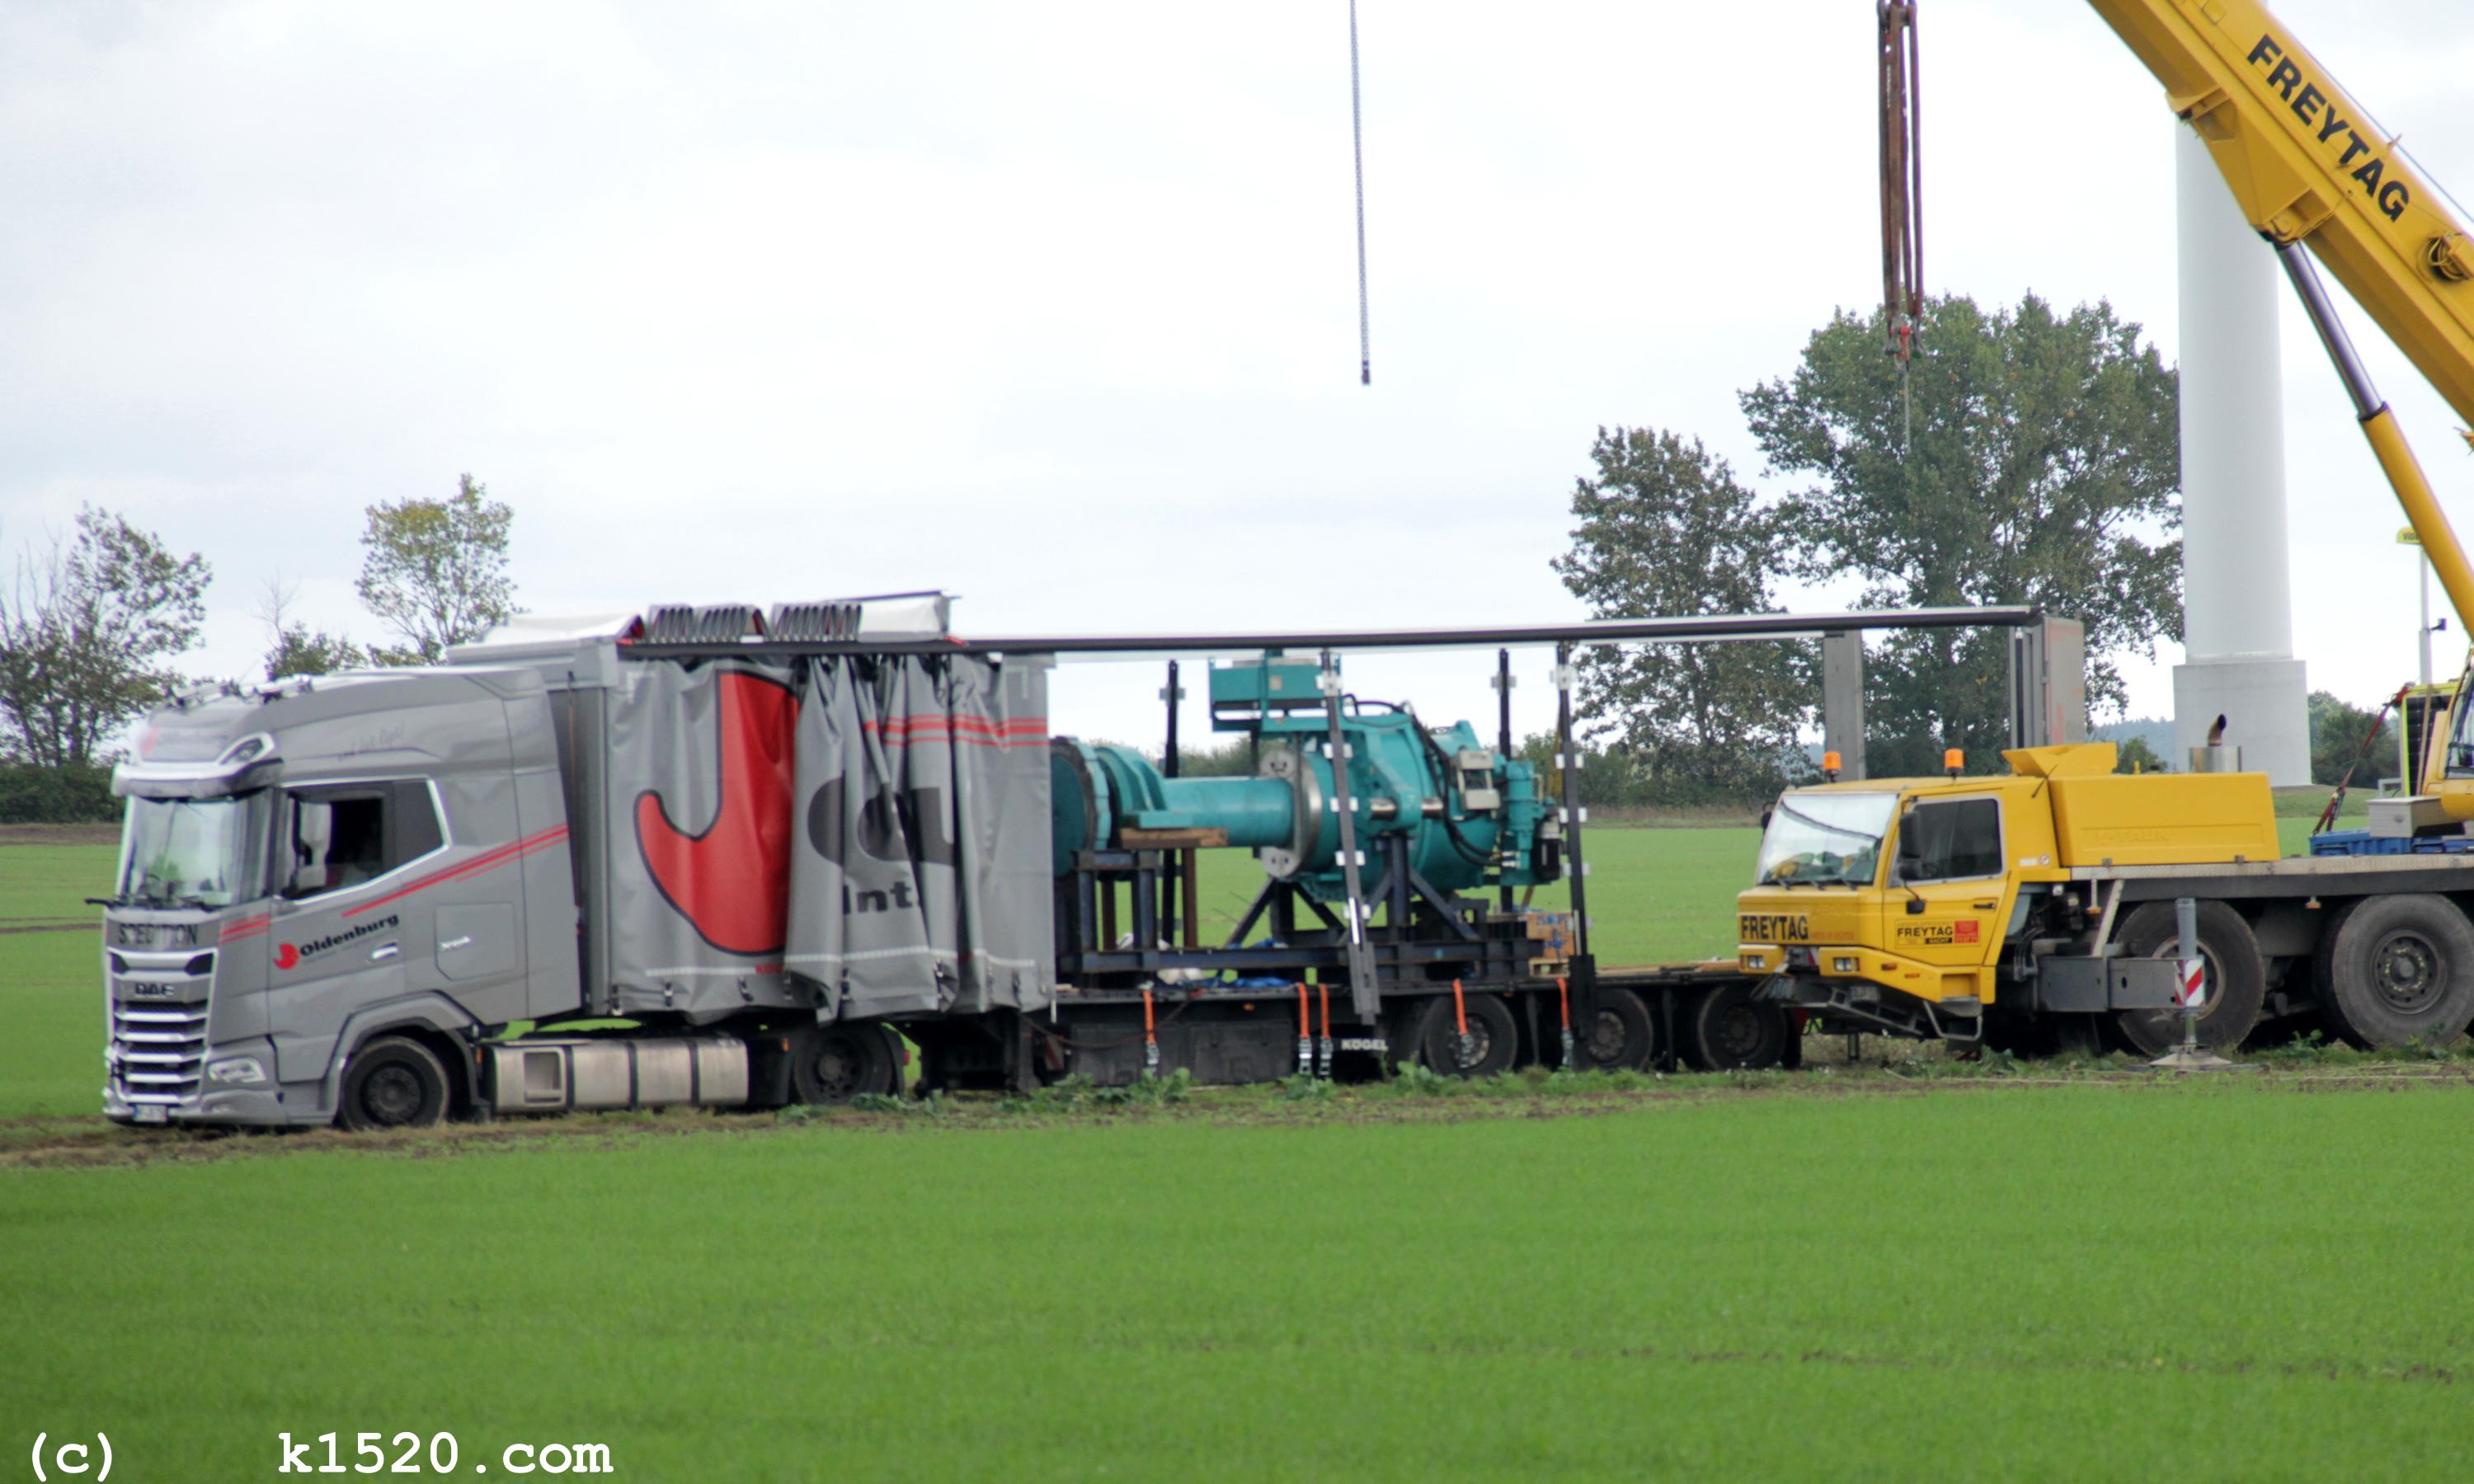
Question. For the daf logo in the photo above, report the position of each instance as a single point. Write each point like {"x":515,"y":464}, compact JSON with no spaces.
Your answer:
{"x":150,"y":991}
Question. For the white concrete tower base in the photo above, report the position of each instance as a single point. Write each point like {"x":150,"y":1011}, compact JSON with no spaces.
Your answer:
{"x":2237,"y":589}
{"x":2244,"y":692}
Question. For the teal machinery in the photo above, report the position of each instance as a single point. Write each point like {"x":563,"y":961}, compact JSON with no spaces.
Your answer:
{"x":1435,"y":814}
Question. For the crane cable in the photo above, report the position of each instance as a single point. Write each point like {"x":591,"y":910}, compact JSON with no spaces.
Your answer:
{"x":1357,"y":149}
{"x":1903,"y":245}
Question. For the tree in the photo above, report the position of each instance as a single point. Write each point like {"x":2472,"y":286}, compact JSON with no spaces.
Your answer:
{"x":2337,"y":728}
{"x":436,"y":570}
{"x":2137,"y":756}
{"x":86,"y":630}
{"x":1664,"y":529}
{"x":293,"y":647}
{"x":2032,"y":458}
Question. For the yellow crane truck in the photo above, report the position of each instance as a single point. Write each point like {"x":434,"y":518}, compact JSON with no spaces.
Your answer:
{"x":2038,"y":906}
{"x":2035,"y":910}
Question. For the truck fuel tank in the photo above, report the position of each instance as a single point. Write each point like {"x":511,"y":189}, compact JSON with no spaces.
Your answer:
{"x":581,"y":1074}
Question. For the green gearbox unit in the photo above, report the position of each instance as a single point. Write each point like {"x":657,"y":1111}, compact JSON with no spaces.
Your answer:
{"x":1464,"y":815}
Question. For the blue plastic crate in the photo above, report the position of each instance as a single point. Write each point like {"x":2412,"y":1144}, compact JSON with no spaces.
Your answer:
{"x":2362,"y":842}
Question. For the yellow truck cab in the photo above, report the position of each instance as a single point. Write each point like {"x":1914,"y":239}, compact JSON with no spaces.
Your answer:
{"x":2038,"y":905}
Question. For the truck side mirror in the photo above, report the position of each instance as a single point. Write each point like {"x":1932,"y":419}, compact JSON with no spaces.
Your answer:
{"x":313,"y":828}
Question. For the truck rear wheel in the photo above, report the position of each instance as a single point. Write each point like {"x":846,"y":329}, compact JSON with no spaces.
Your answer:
{"x":1727,"y":1030}
{"x":834,"y":1064}
{"x":393,"y":1082}
{"x":1434,"y":1040}
{"x":2236,"y":978}
{"x":1620,"y":1035}
{"x":2398,"y":969}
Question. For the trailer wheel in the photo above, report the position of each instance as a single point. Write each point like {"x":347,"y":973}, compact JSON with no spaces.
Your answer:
{"x":1435,"y":1042}
{"x":1620,"y":1035}
{"x":834,"y":1064}
{"x":2398,"y":968}
{"x":1729,"y":1030}
{"x":2236,"y":978}
{"x":393,"y":1082}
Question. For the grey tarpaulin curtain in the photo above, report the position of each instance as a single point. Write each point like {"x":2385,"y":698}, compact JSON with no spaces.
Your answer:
{"x":698,"y":796}
{"x":920,"y":876}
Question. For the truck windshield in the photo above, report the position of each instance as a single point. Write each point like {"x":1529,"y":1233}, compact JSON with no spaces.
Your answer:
{"x":1825,"y":839}
{"x":193,"y":852}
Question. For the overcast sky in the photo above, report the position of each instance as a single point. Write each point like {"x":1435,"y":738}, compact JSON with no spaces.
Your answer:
{"x":1053,"y":306}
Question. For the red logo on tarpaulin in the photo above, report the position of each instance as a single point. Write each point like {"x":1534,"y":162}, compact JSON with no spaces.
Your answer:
{"x":732,"y":881}
{"x":1965,"y":931}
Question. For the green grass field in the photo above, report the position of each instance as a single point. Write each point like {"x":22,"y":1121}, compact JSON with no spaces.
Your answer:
{"x":2243,"y":1280}
{"x":1826,"y":1274}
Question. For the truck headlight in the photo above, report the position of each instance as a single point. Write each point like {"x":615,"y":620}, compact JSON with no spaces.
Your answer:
{"x":240,"y":1070}
{"x":1842,"y":966}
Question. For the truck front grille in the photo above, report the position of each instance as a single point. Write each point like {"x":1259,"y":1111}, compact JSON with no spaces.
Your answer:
{"x":156,"y":1054}
{"x":158,"y":1030}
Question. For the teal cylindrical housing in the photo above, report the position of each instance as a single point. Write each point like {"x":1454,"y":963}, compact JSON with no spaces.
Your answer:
{"x":1460,"y":815}
{"x":1258,"y":813}
{"x":1100,"y":791}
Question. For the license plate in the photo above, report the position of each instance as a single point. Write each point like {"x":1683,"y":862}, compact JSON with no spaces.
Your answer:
{"x":148,"y":1112}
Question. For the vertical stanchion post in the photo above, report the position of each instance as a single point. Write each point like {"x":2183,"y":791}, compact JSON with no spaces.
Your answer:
{"x":1366,"y":995}
{"x":1567,"y":754}
{"x":1171,"y":693}
{"x":1503,"y":738}
{"x":1176,"y":885}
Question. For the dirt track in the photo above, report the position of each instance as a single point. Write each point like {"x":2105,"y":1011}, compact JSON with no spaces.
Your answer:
{"x":44,"y":924}
{"x":59,"y":834}
{"x":59,"y":1144}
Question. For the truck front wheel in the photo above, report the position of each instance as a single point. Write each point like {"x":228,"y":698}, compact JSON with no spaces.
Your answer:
{"x":2398,"y":969}
{"x":2236,"y":978}
{"x":393,"y":1082}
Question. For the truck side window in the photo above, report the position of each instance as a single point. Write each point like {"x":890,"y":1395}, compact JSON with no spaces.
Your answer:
{"x":375,"y":828}
{"x":1951,"y":841}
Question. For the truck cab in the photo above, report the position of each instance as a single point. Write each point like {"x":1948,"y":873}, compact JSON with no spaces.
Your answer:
{"x":1917,"y":905}
{"x":322,"y":882}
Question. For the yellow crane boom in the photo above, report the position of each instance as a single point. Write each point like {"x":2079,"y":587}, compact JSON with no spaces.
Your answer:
{"x":2309,"y":168}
